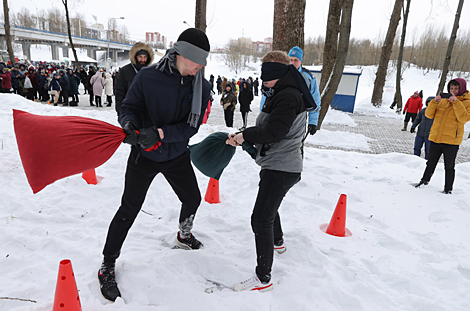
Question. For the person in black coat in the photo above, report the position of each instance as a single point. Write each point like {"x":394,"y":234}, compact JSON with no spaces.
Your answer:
{"x":91,"y":73}
{"x":219,"y":85}
{"x":163,"y":108}
{"x":245,"y":98}
{"x":83,"y":78}
{"x":424,"y":125}
{"x":255,"y":86}
{"x":141,"y":55}
{"x":65,"y":85}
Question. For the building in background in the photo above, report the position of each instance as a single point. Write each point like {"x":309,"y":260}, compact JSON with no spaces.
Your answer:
{"x":156,"y":40}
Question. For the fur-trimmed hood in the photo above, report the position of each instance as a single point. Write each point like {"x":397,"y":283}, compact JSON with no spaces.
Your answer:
{"x":141,"y":46}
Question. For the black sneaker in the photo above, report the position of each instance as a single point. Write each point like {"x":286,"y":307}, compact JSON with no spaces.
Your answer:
{"x":421,"y":183}
{"x":190,"y":243}
{"x":108,"y":284}
{"x":447,"y":191}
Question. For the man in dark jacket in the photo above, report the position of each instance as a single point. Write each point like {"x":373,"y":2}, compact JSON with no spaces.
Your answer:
{"x":166,"y":104}
{"x":141,"y":55}
{"x":65,"y":85}
{"x":424,"y":125}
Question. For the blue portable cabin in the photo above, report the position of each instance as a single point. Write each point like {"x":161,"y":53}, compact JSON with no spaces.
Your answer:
{"x":345,"y":96}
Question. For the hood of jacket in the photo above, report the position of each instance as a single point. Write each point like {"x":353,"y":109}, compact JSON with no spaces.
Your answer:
{"x":141,"y":46}
{"x":462,"y":86}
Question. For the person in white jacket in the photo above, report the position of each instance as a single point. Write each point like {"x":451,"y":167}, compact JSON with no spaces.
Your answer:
{"x":108,"y":89}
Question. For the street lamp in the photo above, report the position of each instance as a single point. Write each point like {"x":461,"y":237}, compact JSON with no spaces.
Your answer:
{"x":108,"y":58}
{"x":184,"y":22}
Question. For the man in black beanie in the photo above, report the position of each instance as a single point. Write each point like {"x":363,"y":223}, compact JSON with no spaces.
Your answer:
{"x":141,"y":55}
{"x":163,"y":108}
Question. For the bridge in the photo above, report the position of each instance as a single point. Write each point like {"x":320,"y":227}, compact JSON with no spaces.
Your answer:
{"x":27,"y":36}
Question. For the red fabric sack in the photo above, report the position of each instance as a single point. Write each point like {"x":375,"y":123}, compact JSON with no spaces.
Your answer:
{"x":54,"y":147}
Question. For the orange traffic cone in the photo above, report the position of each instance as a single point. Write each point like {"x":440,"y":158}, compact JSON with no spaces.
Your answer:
{"x":337,"y":226}
{"x":66,"y":294}
{"x":48,"y":102}
{"x":90,"y":177}
{"x":212,"y":193}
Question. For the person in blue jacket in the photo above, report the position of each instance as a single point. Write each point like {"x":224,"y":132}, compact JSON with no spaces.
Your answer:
{"x":162,"y":109}
{"x":424,"y":125}
{"x":296,"y":58}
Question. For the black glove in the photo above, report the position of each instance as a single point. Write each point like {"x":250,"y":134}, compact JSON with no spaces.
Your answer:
{"x":412,"y":130}
{"x":132,"y":136}
{"x":148,"y":137}
{"x":404,"y":112}
{"x":312,"y":129}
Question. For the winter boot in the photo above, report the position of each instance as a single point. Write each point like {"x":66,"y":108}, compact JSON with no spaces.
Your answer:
{"x":405,"y":126}
{"x":421,"y":183}
{"x":108,"y":283}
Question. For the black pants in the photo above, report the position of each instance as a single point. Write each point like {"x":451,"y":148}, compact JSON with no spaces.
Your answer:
{"x":65,"y":96}
{"x":265,"y":220}
{"x":450,"y":153}
{"x":139,"y":175}
{"x":109,"y":99}
{"x":410,"y":115}
{"x":228,"y":114}
{"x":98,"y":101}
{"x":90,"y":91}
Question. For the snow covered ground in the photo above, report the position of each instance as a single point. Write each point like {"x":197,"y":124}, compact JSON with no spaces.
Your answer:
{"x":409,"y":247}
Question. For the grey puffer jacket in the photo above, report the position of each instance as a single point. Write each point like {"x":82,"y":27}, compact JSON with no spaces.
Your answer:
{"x":423,"y":123}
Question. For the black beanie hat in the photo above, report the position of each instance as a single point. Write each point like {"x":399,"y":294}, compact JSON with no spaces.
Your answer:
{"x":142,"y":52}
{"x":196,"y":37}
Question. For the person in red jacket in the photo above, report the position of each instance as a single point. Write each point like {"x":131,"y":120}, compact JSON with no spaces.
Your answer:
{"x":412,"y":107}
{"x":6,"y":80}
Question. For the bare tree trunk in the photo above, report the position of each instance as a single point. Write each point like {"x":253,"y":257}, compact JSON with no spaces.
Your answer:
{"x":331,"y":42}
{"x":200,"y":20}
{"x":65,"y":3}
{"x":288,"y":24}
{"x":400,"y":57}
{"x":331,"y":86}
{"x":385,"y":55}
{"x":453,"y":36}
{"x":6,"y":15}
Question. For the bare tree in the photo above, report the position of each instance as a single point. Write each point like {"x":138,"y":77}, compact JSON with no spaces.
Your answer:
{"x":200,"y":20}
{"x":24,"y":18}
{"x":234,"y":57}
{"x":288,"y":24}
{"x":331,"y":86}
{"x":65,"y":3}
{"x":385,"y":55}
{"x":6,"y":17}
{"x":331,"y":42}
{"x":453,"y":36}
{"x":400,"y":57}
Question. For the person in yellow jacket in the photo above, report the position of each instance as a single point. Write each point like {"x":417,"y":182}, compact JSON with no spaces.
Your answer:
{"x":450,"y":115}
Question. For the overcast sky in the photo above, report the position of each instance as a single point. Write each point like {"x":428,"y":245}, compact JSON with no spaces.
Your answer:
{"x":250,"y":18}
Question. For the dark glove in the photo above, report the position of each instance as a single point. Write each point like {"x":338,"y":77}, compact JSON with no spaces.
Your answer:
{"x":404,"y":112}
{"x":148,"y":137}
{"x":312,"y":129}
{"x":412,"y":130}
{"x":132,"y":136}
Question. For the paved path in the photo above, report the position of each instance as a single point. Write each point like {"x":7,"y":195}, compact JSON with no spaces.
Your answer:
{"x":388,"y":136}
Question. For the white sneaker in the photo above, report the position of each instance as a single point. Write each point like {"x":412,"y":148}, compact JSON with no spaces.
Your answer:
{"x":280,"y":248}
{"x":253,"y":284}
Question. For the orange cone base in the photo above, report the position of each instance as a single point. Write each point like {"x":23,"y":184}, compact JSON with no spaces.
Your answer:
{"x":212,"y":193}
{"x":66,"y":294}
{"x":90,"y":177}
{"x":347,"y":233}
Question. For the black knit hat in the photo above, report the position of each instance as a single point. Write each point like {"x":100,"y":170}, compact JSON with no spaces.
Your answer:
{"x":196,"y":37}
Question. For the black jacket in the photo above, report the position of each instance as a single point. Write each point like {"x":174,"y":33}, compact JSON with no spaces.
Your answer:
{"x":245,"y":98}
{"x":124,"y":80}
{"x":163,"y":99}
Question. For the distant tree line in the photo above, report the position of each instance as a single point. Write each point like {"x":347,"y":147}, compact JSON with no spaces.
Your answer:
{"x":54,"y":20}
{"x":426,"y":52}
